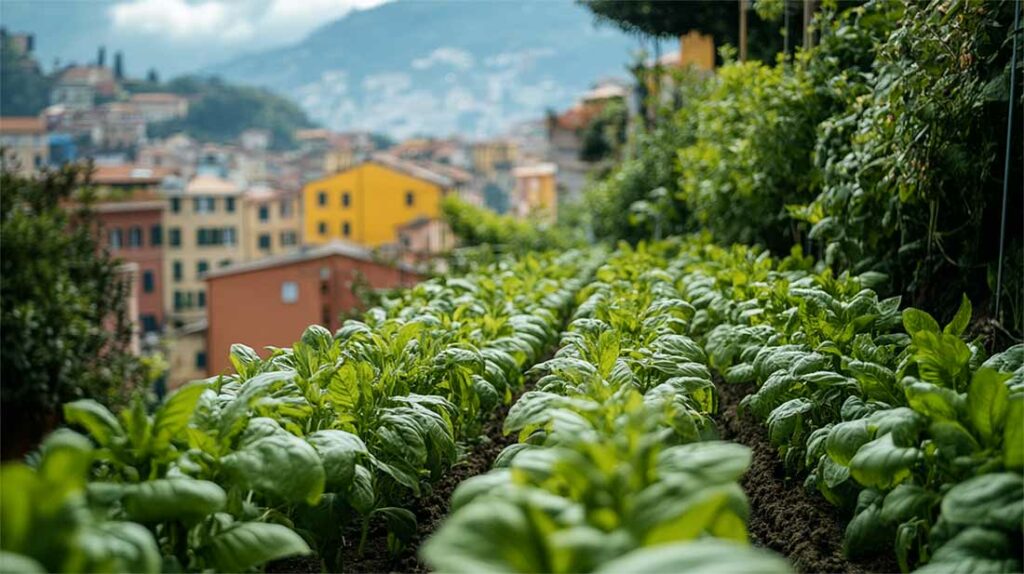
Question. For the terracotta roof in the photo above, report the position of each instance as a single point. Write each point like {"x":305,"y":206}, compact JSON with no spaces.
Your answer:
{"x":575,"y":118}
{"x":302,"y":254}
{"x":22,"y":125}
{"x":128,"y":174}
{"x":413,"y":169}
{"x":157,"y":98}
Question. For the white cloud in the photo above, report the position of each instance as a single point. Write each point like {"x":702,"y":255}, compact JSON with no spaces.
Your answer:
{"x":229,"y":22}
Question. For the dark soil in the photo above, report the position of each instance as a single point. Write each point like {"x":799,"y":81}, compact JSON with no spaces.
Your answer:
{"x":784,"y":516}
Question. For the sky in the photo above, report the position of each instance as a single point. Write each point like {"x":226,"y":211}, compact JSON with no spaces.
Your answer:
{"x":172,"y":36}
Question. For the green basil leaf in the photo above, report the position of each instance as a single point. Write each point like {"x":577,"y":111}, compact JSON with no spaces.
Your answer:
{"x":244,"y":545}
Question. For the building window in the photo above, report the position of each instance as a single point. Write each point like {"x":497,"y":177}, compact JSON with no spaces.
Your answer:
{"x":264,"y":241}
{"x":229,"y":204}
{"x":201,"y":299}
{"x":322,"y":228}
{"x":201,"y":267}
{"x":346,"y":229}
{"x":207,"y":236}
{"x":203,"y":204}
{"x":200,"y":360}
{"x":156,"y":236}
{"x":177,"y":271}
{"x":346,"y":199}
{"x":175,"y":205}
{"x":321,"y":198}
{"x":288,"y":238}
{"x":174,"y":237}
{"x":286,"y":208}
{"x":135,"y":237}
{"x":181,"y":301}
{"x":264,"y":213}
{"x":148,"y":282}
{"x":149,"y":323}
{"x":224,"y":262}
{"x":114,"y":238}
{"x":289,"y":292}
{"x":410,"y":199}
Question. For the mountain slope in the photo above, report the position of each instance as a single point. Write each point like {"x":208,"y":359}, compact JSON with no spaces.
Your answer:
{"x":437,"y":67}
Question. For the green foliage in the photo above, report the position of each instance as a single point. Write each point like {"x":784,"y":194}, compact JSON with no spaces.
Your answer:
{"x":606,"y":134}
{"x":222,"y":111}
{"x":65,"y":324}
{"x":673,"y":19}
{"x":889,"y":413}
{"x":911,"y":162}
{"x":878,"y":150}
{"x":750,"y":155}
{"x":615,"y":468}
{"x":475,"y":226}
{"x":313,"y":443}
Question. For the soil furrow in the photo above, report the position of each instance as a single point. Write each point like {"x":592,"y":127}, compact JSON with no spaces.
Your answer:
{"x":785,"y":516}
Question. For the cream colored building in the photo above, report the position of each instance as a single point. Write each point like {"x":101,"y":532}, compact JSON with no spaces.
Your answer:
{"x":186,"y":354}
{"x":204,"y":225}
{"x":271,"y":224}
{"x":25,"y":144}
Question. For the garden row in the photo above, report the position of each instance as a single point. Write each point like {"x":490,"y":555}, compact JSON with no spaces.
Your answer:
{"x":906,"y":427}
{"x":897,"y":420}
{"x":295,"y":451}
{"x":618,"y":468}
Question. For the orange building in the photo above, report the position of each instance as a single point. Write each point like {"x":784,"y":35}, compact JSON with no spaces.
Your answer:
{"x":271,"y":301}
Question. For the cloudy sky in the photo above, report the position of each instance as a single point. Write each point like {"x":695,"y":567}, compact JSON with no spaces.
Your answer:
{"x":173,"y":36}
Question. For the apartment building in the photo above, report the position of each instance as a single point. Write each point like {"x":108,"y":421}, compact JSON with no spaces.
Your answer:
{"x":25,"y":143}
{"x":203,"y":223}
{"x":367,"y":202}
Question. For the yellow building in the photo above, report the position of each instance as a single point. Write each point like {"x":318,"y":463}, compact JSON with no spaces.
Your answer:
{"x":536,"y":191}
{"x":366,"y":203}
{"x":494,"y":155}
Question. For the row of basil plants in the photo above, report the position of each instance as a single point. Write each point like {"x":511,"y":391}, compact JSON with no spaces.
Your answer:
{"x":896,"y":419}
{"x":617,"y":468}
{"x":333,"y":435}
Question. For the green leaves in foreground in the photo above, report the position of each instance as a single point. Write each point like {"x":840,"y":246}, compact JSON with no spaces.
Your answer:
{"x":243,"y":545}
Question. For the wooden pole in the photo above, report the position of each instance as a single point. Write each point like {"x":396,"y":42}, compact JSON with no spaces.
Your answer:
{"x":808,"y":15}
{"x":743,"y":30}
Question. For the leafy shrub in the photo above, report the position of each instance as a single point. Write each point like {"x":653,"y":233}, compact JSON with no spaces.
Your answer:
{"x":63,"y":314}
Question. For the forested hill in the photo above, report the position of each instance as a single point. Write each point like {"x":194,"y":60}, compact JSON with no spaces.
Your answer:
{"x":220,"y":111}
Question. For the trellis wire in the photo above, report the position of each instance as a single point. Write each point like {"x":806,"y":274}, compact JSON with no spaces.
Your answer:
{"x":1006,"y":164}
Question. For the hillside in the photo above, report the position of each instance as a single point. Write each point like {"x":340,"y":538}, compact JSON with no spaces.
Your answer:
{"x":220,"y":111}
{"x":437,"y":67}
